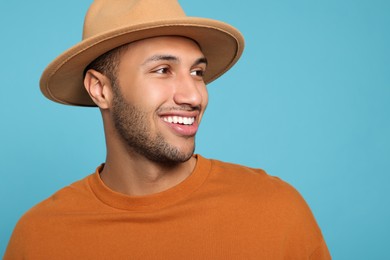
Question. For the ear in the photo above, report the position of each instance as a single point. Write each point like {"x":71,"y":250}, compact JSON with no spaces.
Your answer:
{"x":98,"y":87}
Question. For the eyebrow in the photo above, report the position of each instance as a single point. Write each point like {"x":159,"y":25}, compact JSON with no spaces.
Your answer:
{"x":160,"y":57}
{"x":200,"y":61}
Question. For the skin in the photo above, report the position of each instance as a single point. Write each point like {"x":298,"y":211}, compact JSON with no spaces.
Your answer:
{"x":157,"y":78}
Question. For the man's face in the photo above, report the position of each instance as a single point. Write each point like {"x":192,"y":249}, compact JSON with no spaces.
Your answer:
{"x":160,"y":97}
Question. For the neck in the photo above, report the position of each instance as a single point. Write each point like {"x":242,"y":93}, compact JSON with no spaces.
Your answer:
{"x":130,"y":173}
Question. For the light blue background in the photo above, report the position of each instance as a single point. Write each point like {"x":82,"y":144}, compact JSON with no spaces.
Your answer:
{"x":309,"y":102}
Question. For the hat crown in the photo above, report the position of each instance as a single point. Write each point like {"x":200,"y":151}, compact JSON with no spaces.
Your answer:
{"x":107,"y":15}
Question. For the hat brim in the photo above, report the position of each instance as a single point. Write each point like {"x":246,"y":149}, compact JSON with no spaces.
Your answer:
{"x":62,"y":80}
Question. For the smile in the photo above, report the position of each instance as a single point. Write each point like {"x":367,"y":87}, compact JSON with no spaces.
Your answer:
{"x":179,"y":120}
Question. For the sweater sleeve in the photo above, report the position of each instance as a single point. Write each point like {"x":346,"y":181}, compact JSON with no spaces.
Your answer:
{"x":321,"y":253}
{"x":15,"y":249}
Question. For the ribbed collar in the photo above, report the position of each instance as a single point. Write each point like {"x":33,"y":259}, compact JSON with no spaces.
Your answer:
{"x":154,"y":201}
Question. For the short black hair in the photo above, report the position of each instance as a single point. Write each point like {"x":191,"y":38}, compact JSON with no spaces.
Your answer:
{"x":108,"y":63}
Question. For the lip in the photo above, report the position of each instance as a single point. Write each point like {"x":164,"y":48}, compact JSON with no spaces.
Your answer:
{"x":181,"y":129}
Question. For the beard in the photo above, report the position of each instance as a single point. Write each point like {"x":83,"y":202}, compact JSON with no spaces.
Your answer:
{"x":133,"y":127}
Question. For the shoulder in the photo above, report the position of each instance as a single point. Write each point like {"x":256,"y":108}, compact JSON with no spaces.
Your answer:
{"x":44,"y":216}
{"x":269,"y":204}
{"x":253,"y":180}
{"x":261,"y":193}
{"x":62,"y":199}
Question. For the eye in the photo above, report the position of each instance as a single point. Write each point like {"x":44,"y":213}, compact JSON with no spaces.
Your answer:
{"x":163,"y":70}
{"x":197,"y":72}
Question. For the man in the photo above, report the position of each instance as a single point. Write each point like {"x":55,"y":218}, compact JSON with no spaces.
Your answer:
{"x":146,"y":67}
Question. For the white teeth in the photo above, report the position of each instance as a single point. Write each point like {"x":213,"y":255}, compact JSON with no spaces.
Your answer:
{"x":180,"y":120}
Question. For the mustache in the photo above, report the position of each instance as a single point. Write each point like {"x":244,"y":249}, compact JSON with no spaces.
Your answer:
{"x":187,"y":108}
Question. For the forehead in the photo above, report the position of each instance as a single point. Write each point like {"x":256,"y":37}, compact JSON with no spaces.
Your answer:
{"x":182,"y":47}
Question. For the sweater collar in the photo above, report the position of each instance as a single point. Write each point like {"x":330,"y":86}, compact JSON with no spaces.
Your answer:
{"x":154,"y":201}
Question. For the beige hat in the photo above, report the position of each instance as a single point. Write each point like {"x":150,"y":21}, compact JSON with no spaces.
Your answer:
{"x":111,"y":23}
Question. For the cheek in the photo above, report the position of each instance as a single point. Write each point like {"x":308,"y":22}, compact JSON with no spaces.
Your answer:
{"x":155,"y":97}
{"x":147,"y":97}
{"x":205,"y":96}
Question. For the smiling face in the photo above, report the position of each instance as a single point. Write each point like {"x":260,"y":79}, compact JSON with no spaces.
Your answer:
{"x":160,"y":97}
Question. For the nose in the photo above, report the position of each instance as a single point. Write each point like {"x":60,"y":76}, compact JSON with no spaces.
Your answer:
{"x":190,"y":91}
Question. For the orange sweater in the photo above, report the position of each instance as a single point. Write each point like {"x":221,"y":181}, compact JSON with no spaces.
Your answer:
{"x":222,"y":211}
